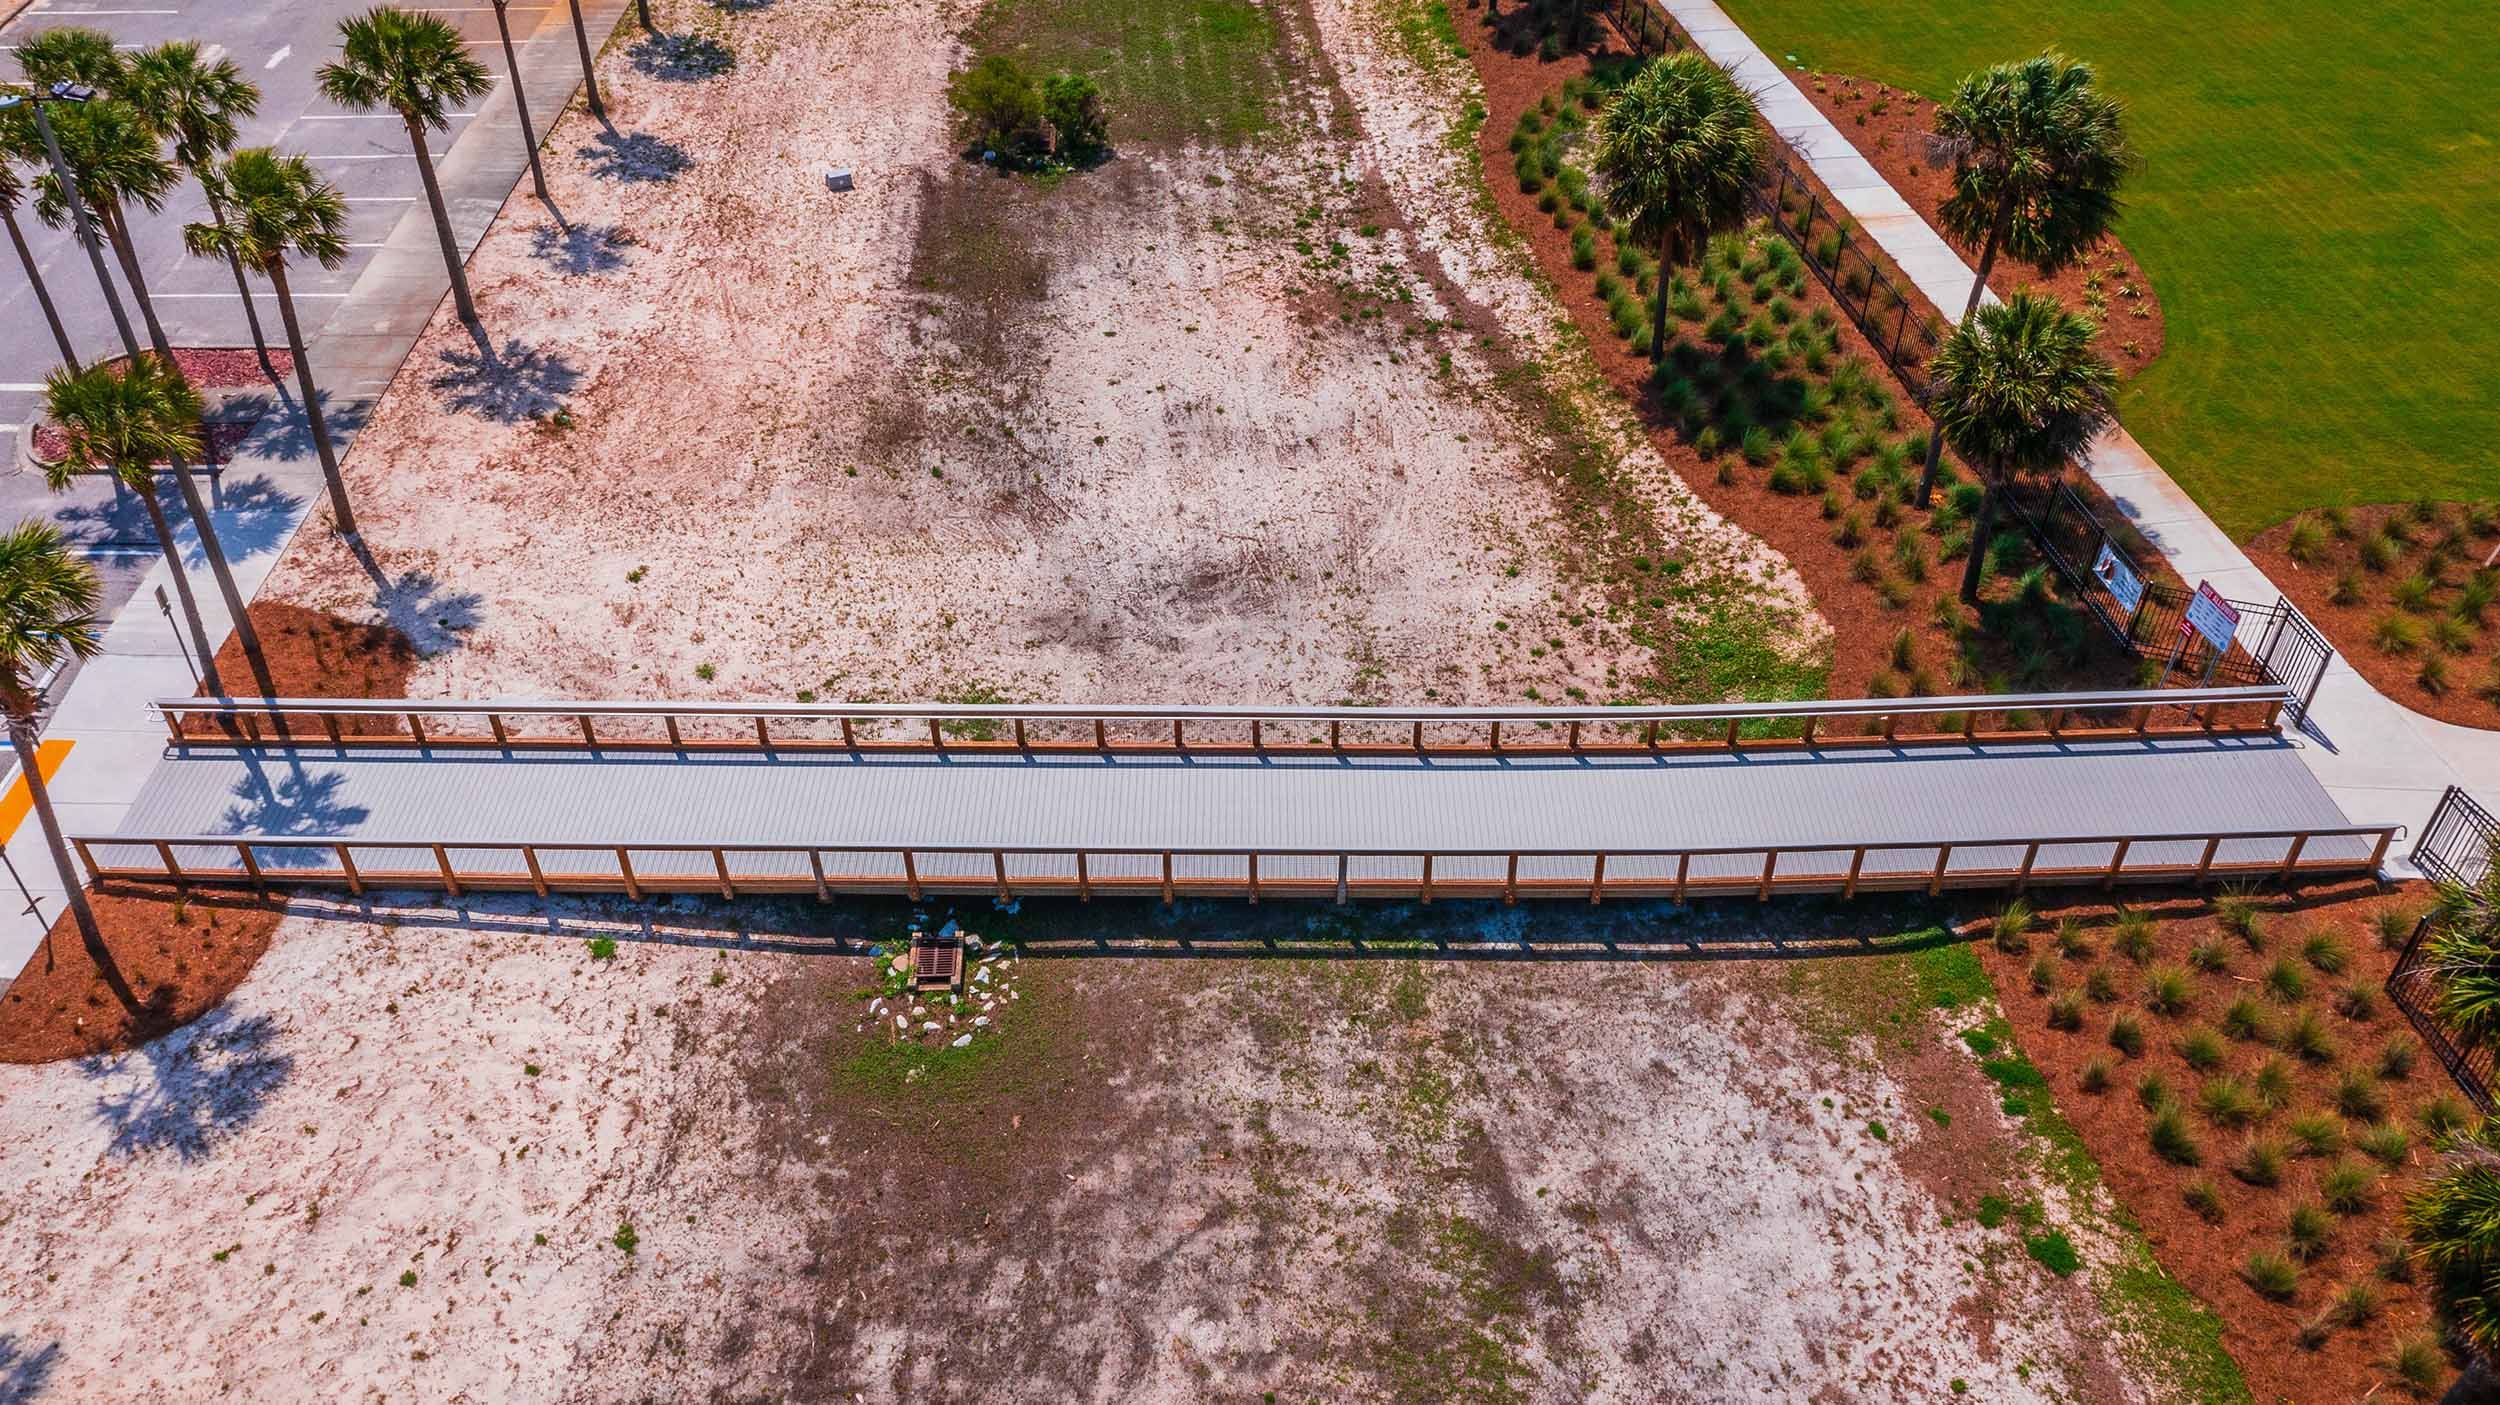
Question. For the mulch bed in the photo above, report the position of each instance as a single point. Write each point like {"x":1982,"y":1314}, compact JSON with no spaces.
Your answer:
{"x":218,"y":440}
{"x":1889,"y":127}
{"x":2208,"y":1255}
{"x":2436,"y":652}
{"x":208,"y":368}
{"x":178,"y":955}
{"x":317,"y":655}
{"x":1865,"y":622}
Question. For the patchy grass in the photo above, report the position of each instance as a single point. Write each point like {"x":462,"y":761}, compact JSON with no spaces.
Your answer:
{"x":1173,"y":72}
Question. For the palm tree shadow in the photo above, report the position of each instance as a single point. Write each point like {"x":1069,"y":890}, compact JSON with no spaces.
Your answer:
{"x":284,"y":432}
{"x":121,"y":520}
{"x":296,"y":804}
{"x":433,"y":620}
{"x":579,"y":250}
{"x":740,"y":7}
{"x":252,"y":515}
{"x":681,"y":58}
{"x":639,"y":159}
{"x":192,"y":1088}
{"x":23,"y":1373}
{"x":521,"y":383}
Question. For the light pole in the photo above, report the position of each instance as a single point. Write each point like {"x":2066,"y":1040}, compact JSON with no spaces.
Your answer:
{"x":75,"y":92}
{"x":521,"y":102}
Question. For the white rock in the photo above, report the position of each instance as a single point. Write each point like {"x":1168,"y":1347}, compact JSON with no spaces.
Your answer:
{"x":929,"y":1027}
{"x":961,"y":1040}
{"x":901,"y":1023}
{"x":981,"y":1021}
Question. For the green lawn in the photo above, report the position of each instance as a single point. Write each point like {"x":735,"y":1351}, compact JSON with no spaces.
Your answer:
{"x":2318,"y":212}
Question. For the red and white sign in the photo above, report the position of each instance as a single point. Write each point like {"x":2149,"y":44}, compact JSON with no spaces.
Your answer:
{"x":2210,"y":615}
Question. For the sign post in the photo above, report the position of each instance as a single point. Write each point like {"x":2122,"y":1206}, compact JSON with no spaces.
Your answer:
{"x":2210,"y":617}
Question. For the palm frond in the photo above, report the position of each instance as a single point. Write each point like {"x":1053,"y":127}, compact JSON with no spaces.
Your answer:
{"x":1677,"y":150}
{"x":416,"y":65}
{"x":123,"y":420}
{"x":2019,"y":387}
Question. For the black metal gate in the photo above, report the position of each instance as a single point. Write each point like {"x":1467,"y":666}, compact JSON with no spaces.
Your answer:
{"x":2456,"y":846}
{"x":2414,"y":988}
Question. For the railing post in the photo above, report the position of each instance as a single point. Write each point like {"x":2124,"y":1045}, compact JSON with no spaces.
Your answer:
{"x":1427,"y":878}
{"x":1597,"y":881}
{"x":1683,"y":870}
{"x":1572,"y":741}
{"x":911,"y":877}
{"x":2022,"y":876}
{"x":1770,"y":864}
{"x":1857,"y":862}
{"x":2205,"y":864}
{"x":165,"y":854}
{"x":762,"y":738}
{"x":849,"y":742}
{"x":1341,"y":880}
{"x":1649,"y":736}
{"x":416,"y":729}
{"x":1812,"y":718}
{"x":1419,"y":737}
{"x":1336,"y":741}
{"x":85,"y":857}
{"x":1732,"y":724}
{"x":1177,"y":743}
{"x":2378,"y":854}
{"x":1497,"y":734}
{"x":1935,"y":881}
{"x":1254,"y":877}
{"x":1258,"y":738}
{"x":1167,"y":878}
{"x":330,"y":726}
{"x":538,"y":876}
{"x":173,"y":724}
{"x":589,"y":738}
{"x":625,"y":866}
{"x":1102,"y":737}
{"x":1084,"y":881}
{"x":937,"y":735}
{"x":494,"y":724}
{"x":2292,"y":860}
{"x":998,"y":867}
{"x":668,"y":720}
{"x":251,"y":866}
{"x":1510,"y":882}
{"x":2117,"y":861}
{"x":451,"y":880}
{"x":720,"y":865}
{"x":816,"y":870}
{"x":347,"y":865}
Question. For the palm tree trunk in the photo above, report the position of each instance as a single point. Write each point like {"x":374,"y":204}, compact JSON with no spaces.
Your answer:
{"x":521,"y":104}
{"x":43,"y":295}
{"x":182,"y":589}
{"x":1978,"y":289}
{"x":2476,"y":1385}
{"x":442,"y":227}
{"x":344,"y":515}
{"x":251,"y":314}
{"x":590,"y":78}
{"x":116,"y":234}
{"x":1658,"y":296}
{"x":1976,"y":567}
{"x":73,"y":883}
{"x":642,"y":11}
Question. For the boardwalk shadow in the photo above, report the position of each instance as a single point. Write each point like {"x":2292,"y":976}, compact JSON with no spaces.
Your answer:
{"x":638,"y":159}
{"x":191,"y":1089}
{"x":579,"y":250}
{"x":522,"y":382}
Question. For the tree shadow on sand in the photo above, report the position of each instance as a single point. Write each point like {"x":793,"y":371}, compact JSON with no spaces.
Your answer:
{"x":23,"y":1373}
{"x":579,"y":250}
{"x":521,"y":382}
{"x":434,"y":619}
{"x":638,"y":159}
{"x":191,"y":1089}
{"x":681,"y":58}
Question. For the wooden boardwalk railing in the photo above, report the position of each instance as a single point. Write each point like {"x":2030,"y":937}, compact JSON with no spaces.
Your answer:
{"x":1079,"y":728}
{"x":740,"y":870}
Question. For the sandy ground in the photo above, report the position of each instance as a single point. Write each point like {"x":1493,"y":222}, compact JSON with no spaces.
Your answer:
{"x":396,"y":1166}
{"x":1165,"y":429}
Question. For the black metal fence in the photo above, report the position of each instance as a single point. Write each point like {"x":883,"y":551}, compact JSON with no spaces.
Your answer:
{"x":2457,"y":845}
{"x":2414,"y":987}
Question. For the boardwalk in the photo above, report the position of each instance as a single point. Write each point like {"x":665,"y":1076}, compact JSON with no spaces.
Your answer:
{"x":1631,"y":816}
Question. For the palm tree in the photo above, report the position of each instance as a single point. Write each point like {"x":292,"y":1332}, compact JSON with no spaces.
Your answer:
{"x":113,"y":154}
{"x":2454,"y":1223}
{"x":200,"y":106}
{"x":1677,"y":149}
{"x":521,"y":103}
{"x":73,"y":54}
{"x":12,"y":189}
{"x":417,"y":66}
{"x":47,"y":615}
{"x":124,"y":420}
{"x":2019,"y":390}
{"x":590,"y":78}
{"x":271,"y":206}
{"x":2038,"y":154}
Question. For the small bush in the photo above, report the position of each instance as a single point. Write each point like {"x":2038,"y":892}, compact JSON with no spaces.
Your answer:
{"x":2346,"y":590}
{"x":2152,"y":1092}
{"x":2379,"y":553}
{"x":2273,"y":1084}
{"x":2100,"y":985}
{"x":2171,"y":1139}
{"x":2094,"y":1076}
{"x":2066,"y":1011}
{"x":2073,"y":942}
{"x":1849,"y":535}
{"x":2204,"y":1198}
{"x":2133,"y":937}
{"x":2306,"y":1037}
{"x":2237,"y":913}
{"x":2209,"y":956}
{"x":2357,"y":1002}
{"x":2316,"y":1134}
{"x":2043,"y":974}
{"x":2327,"y":952}
{"x":2272,"y":1275}
{"x":2395,"y":927}
{"x":2201,"y":1049}
{"x":2260,"y":1162}
{"x":2126,"y":1035}
{"x":2395,"y":1062}
{"x":2168,"y":991}
{"x":1000,"y":108}
{"x":2308,"y":1231}
{"x":2396,"y":634}
{"x":2226,"y":1102}
{"x":2245,"y":1020}
{"x":2443,"y":1114}
{"x":2357,"y":1096}
{"x":2413,"y":593}
{"x":1072,"y":105}
{"x":2286,"y":982}
{"x":1583,"y":248}
{"x":2306,"y":543}
{"x":2347,"y":1187}
{"x":602,"y":948}
{"x":2387,"y":1145}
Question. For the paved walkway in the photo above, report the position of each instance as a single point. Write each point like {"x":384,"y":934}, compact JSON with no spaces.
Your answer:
{"x":2383,"y":763}
{"x":274,"y":478}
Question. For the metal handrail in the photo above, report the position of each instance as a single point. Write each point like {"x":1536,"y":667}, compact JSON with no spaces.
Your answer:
{"x":1164,"y":712}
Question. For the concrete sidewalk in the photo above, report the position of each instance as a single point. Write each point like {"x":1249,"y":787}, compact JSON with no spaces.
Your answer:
{"x":116,"y":741}
{"x":2382,"y":762}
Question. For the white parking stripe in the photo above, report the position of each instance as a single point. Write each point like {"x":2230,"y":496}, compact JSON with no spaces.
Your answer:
{"x":275,"y":59}
{"x":199,"y":297}
{"x":363,"y":116}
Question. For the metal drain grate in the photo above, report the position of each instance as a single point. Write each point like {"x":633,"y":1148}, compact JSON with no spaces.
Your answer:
{"x":937,"y":963}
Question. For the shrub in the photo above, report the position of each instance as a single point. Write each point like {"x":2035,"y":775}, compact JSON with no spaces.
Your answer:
{"x":2396,"y":634}
{"x":2152,"y":1092}
{"x":2420,"y":1364}
{"x":2306,"y":1036}
{"x":2168,"y":991}
{"x":2386,"y":1145}
{"x":2433,"y":675}
{"x":2043,"y":974}
{"x":999,"y":107}
{"x":2066,"y":1012}
{"x":2395,"y":927}
{"x":1756,"y":446}
{"x":2346,"y":590}
{"x":2132,"y":938}
{"x":2327,"y":952}
{"x":2272,"y":1275}
{"x":2357,"y":1002}
{"x":2094,"y":1076}
{"x":2285,"y":981}
{"x":2171,"y":1139}
{"x":2413,"y":593}
{"x":2316,"y":1134}
{"x":2395,"y":1258}
{"x":2273,"y":1083}
{"x":2451,"y":634}
{"x":2100,"y":985}
{"x":2308,"y":1231}
{"x":2237,"y":913}
{"x":2346,"y":1187}
{"x":1583,"y":248}
{"x":2379,"y":553}
{"x":2126,"y":1035}
{"x":2204,"y":1198}
{"x":1848,"y":536}
{"x":2246,"y":1019}
{"x":2306,"y":543}
{"x":2226,"y":1102}
{"x":2260,"y":1162}
{"x":2443,"y":1114}
{"x":1072,"y":105}
{"x":2012,"y":927}
{"x":2395,"y":1062}
{"x":2073,"y":942}
{"x":2210,"y":956}
{"x":2201,"y":1049}
{"x":2357,"y":1096}
{"x":602,"y":948}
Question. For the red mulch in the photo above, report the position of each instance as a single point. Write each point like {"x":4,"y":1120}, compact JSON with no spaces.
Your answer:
{"x":225,"y":367}
{"x":1888,"y":126}
{"x":218,"y":441}
{"x":178,"y":956}
{"x":1863,"y":624}
{"x":2260,"y":1334}
{"x":2469,"y":693}
{"x":317,"y":655}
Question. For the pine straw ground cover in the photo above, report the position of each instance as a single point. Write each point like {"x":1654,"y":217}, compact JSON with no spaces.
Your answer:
{"x":2260,"y":1107}
{"x":2409,"y":592}
{"x":1774,"y":407}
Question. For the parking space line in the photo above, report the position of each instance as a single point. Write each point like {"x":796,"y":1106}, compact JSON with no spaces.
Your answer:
{"x":197,"y":297}
{"x":362,"y":116}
